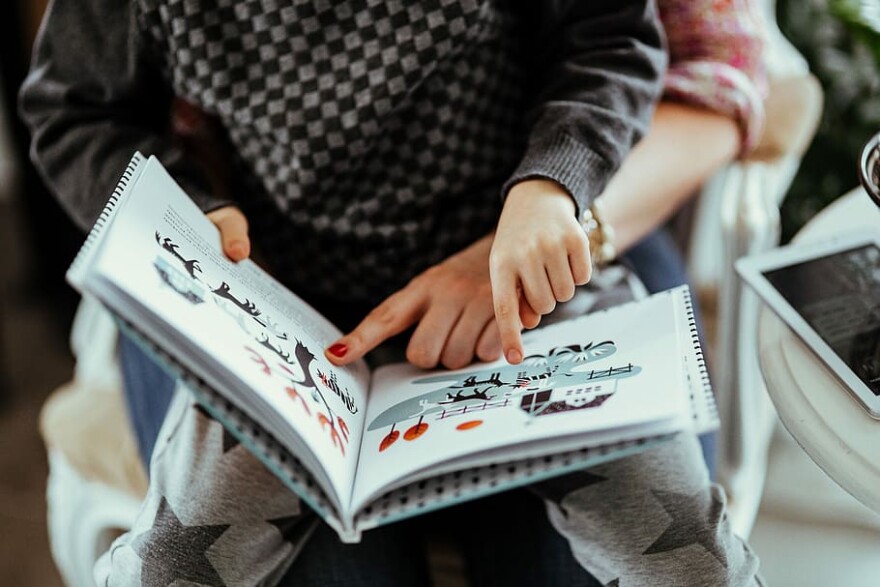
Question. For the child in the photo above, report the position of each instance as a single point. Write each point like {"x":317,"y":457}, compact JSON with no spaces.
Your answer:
{"x":373,"y":142}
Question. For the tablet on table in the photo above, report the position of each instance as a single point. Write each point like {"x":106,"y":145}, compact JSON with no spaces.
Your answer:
{"x":829,"y":294}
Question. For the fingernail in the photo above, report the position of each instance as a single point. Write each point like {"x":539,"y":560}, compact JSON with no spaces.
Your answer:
{"x":338,"y":350}
{"x":513,"y":357}
{"x":237,"y":250}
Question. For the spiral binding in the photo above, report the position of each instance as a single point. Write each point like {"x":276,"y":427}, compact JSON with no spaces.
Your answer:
{"x":107,"y":212}
{"x":698,"y":353}
{"x":456,"y":487}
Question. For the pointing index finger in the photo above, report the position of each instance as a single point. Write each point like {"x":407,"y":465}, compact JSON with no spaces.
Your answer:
{"x":389,"y":318}
{"x":506,"y":302}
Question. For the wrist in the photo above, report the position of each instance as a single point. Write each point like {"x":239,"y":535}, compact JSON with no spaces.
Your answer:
{"x":530,"y":189}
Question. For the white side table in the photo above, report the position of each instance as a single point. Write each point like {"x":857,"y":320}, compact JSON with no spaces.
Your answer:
{"x":816,"y":409}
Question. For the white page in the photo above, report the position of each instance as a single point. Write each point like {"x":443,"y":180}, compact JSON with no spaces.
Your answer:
{"x":632,"y":353}
{"x":239,"y":316}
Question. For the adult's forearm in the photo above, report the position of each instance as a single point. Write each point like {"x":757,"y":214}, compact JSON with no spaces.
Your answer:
{"x":683,"y":148}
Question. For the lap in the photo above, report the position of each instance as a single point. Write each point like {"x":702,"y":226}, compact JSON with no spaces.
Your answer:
{"x":505,"y":540}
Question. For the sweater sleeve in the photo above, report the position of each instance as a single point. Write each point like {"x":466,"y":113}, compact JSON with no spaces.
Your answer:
{"x":91,"y":99}
{"x":600,"y":73}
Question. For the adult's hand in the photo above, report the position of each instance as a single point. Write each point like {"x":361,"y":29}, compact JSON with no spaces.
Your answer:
{"x":451,"y":303}
{"x":539,"y":255}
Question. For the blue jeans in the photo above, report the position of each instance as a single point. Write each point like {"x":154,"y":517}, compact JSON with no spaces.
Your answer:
{"x":660,"y":265}
{"x":148,"y":392}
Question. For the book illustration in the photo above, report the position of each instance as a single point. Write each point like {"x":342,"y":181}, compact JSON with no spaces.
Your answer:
{"x":265,"y":342}
{"x":416,"y":429}
{"x":331,"y":382}
{"x":240,"y":310}
{"x":223,"y":295}
{"x":303,"y":390}
{"x":554,"y":401}
{"x":272,"y":327}
{"x":252,"y":329}
{"x":557,"y":382}
{"x":257,"y":358}
{"x":246,"y":306}
{"x":179,"y":282}
{"x":191,"y":265}
{"x":296,"y":387}
{"x":390,"y":438}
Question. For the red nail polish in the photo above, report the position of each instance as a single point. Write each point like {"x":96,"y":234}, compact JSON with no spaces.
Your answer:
{"x":338,"y":350}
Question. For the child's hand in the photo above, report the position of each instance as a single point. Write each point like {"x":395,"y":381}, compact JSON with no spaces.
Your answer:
{"x":540,"y":254}
{"x":233,"y":228}
{"x":452,"y":305}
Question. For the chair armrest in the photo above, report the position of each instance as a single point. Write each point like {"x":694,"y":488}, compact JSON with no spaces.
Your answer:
{"x":793,"y":110}
{"x":90,"y":427}
{"x":744,"y":199}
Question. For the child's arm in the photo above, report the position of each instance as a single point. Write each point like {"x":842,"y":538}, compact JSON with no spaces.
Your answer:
{"x":601,"y":63}
{"x":540,"y":254}
{"x":600,"y":78}
{"x":92,"y":98}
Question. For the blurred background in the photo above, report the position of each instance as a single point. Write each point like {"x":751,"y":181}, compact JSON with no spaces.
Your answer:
{"x":839,"y":39}
{"x":36,"y":308}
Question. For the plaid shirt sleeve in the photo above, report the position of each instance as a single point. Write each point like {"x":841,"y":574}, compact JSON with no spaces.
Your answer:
{"x":715,"y":49}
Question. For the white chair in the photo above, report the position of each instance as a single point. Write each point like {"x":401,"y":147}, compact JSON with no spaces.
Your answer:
{"x":737,"y":214}
{"x":93,"y":494}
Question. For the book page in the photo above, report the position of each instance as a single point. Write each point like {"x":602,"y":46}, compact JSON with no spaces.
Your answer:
{"x":603,"y":377}
{"x":234,"y":325}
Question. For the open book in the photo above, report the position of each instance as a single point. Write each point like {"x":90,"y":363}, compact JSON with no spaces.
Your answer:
{"x":366,"y":448}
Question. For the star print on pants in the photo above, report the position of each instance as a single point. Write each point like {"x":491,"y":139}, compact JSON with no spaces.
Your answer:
{"x":556,"y":489}
{"x":292,"y":528}
{"x":172,"y":551}
{"x":229,"y":440}
{"x":689,"y":525}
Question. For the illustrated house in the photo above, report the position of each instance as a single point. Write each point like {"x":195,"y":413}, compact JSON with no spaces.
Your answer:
{"x":567,"y":399}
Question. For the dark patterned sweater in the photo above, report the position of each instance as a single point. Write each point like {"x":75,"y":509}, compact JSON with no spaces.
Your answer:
{"x":373,"y":139}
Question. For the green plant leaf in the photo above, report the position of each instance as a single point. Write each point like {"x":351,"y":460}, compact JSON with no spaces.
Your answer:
{"x":862,"y":17}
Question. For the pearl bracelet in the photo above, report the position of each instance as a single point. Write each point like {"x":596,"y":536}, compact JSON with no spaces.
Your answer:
{"x":600,"y":234}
